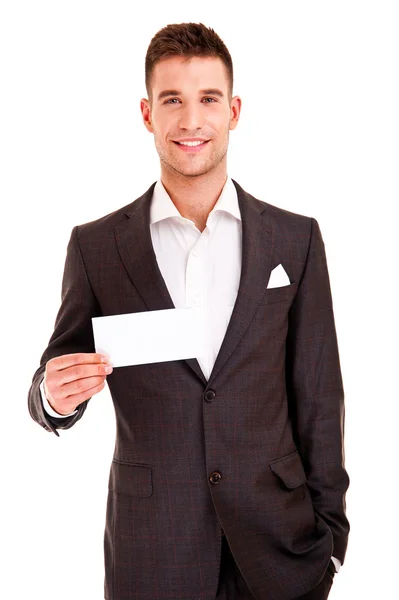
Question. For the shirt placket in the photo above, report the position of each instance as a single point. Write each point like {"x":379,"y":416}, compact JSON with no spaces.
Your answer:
{"x":196,"y":280}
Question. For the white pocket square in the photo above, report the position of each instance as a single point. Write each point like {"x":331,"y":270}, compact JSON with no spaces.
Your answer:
{"x":278,"y":278}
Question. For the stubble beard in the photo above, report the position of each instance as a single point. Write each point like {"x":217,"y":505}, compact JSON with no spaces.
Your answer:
{"x":181,"y":167}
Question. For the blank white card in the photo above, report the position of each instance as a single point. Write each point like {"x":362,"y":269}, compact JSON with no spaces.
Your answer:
{"x":151,"y":336}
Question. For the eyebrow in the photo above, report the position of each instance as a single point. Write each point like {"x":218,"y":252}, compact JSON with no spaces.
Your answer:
{"x":208,"y":91}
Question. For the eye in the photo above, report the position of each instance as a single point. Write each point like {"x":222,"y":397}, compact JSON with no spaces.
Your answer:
{"x":172,"y":100}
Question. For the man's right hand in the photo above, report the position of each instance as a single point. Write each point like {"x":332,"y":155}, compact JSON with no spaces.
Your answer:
{"x":71,"y":379}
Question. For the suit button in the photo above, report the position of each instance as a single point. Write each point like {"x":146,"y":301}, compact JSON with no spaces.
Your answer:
{"x":215,"y":477}
{"x":209,"y":395}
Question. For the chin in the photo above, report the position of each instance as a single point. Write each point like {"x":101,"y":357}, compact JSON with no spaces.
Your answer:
{"x":195,"y":172}
{"x":186,"y":171}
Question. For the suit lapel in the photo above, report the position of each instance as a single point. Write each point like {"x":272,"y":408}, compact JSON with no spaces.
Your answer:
{"x":133,"y":238}
{"x":258,"y":241}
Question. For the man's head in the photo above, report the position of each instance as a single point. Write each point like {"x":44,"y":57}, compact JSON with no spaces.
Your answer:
{"x":189,"y":82}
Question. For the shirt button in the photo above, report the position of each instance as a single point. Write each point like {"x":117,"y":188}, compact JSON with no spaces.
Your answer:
{"x":209,"y":395}
{"x":215,"y":477}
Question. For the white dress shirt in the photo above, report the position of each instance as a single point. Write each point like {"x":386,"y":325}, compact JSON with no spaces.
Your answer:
{"x":199,"y":268}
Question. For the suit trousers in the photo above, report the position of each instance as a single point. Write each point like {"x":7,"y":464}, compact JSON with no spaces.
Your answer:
{"x":232,"y":585}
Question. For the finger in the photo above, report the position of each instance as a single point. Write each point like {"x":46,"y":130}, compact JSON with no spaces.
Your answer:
{"x":79,"y":398}
{"x":79,"y":386}
{"x":65,"y":361}
{"x":81,"y":372}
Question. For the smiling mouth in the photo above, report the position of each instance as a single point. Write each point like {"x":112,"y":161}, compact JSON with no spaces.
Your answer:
{"x":191,"y":142}
{"x":191,"y":146}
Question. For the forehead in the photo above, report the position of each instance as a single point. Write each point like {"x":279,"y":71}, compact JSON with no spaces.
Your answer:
{"x":182,"y":73}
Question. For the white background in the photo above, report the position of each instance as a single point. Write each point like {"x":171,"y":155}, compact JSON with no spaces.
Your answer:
{"x":318,"y":135}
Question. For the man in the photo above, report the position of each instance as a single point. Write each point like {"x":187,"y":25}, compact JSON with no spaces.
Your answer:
{"x":228,"y":478}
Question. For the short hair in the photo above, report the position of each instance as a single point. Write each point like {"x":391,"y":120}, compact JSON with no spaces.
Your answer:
{"x":188,"y":40}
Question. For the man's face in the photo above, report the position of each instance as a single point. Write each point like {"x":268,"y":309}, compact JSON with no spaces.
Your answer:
{"x":190,"y":100}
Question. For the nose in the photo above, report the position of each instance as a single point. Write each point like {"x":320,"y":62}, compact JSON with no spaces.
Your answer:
{"x":191,"y":116}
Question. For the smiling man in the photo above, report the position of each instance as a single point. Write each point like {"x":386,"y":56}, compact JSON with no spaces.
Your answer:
{"x":228,"y":479}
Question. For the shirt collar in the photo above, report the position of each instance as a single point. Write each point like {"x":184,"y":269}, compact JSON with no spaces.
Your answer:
{"x":162,"y":206}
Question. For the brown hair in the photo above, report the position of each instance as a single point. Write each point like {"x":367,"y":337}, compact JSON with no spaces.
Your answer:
{"x":188,"y":40}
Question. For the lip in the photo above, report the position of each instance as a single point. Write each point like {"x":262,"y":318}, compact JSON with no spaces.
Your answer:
{"x":192,"y":149}
{"x":193,"y":139}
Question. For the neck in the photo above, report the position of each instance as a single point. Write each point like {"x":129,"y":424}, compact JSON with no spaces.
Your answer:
{"x":195,"y":197}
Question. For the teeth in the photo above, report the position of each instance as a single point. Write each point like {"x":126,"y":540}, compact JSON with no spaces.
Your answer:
{"x":191,"y":143}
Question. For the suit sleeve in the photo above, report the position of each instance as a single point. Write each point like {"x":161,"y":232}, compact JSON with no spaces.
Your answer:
{"x":315,"y":392}
{"x":72,"y":333}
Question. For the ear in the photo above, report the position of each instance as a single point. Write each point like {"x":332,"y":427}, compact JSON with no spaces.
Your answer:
{"x":146,"y":113}
{"x":235,"y":111}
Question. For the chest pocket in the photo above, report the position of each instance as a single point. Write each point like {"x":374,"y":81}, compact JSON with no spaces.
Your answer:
{"x":285,"y":293}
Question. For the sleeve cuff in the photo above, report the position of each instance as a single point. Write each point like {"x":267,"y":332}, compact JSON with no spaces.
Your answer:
{"x":337,"y":563}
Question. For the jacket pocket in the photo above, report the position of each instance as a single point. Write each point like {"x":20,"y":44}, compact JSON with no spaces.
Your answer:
{"x":289,"y":469}
{"x":130,"y":479}
{"x":279,"y":294}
